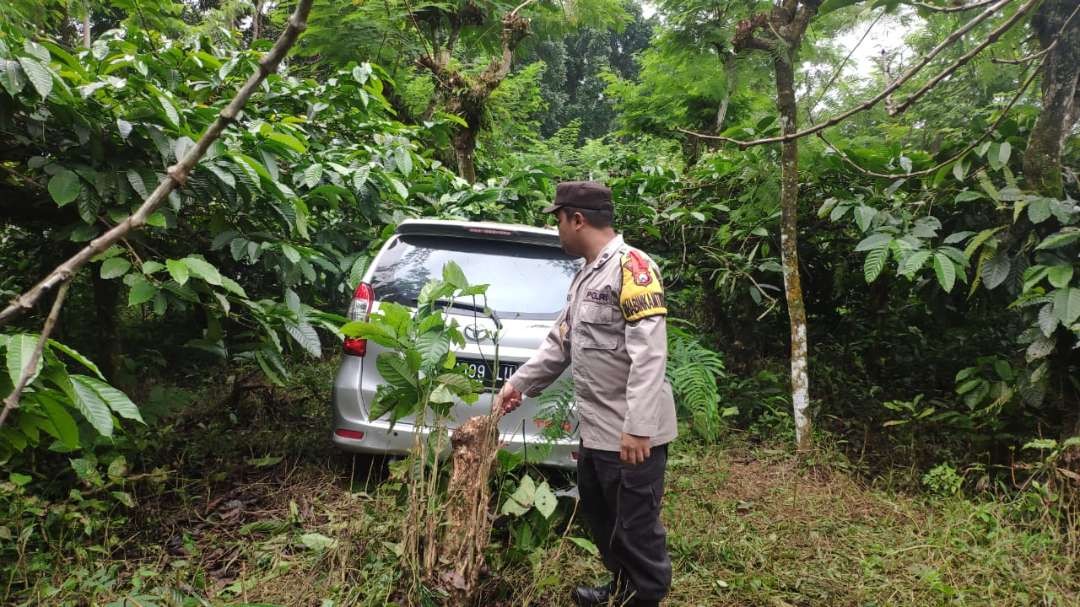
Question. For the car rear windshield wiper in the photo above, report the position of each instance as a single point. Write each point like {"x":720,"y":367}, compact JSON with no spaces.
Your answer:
{"x":447,"y":303}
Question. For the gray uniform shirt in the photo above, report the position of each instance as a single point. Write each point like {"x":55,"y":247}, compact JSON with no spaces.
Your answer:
{"x":613,"y":335}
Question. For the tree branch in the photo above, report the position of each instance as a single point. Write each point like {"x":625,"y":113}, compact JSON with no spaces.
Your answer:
{"x":12,"y":401}
{"x":968,"y":56}
{"x":952,"y":9}
{"x":802,"y":18}
{"x":515,"y":28}
{"x":840,"y":68}
{"x":896,"y":84}
{"x":177,"y":174}
{"x":1021,"y":60}
{"x":1004,"y":112}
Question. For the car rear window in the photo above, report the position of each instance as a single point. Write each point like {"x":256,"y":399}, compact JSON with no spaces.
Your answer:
{"x":525,"y":281}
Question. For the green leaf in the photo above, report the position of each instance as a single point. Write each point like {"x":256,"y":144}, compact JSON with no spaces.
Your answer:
{"x":11,"y":77}
{"x":115,"y":267}
{"x":178,"y":270}
{"x":170,"y":111}
{"x":1060,"y":276}
{"x":914,"y":262}
{"x":874,"y":241}
{"x":874,"y":264}
{"x":79,"y":358}
{"x":288,"y":141}
{"x":1047,"y":321}
{"x":141,"y":291}
{"x":996,"y":269}
{"x":395,"y":370}
{"x":118,"y":468}
{"x":317,"y":541}
{"x":304,"y":334}
{"x":1059,"y":239}
{"x":64,"y":187}
{"x":290,"y":253}
{"x":979,"y":239}
{"x":117,"y":400}
{"x":545,"y":501}
{"x":124,"y":498}
{"x":400,"y":188}
{"x":441,"y":394}
{"x":92,"y":407}
{"x":1039,"y":210}
{"x":959,"y":170}
{"x":38,"y":74}
{"x":864,"y":216}
{"x":203,"y":269}
{"x":376,"y":332}
{"x":1003,"y":152}
{"x":585,"y":545}
{"x":521,"y":501}
{"x":62,"y":421}
{"x":453,"y":274}
{"x":313,"y":175}
{"x":403,"y":160}
{"x":945,"y":271}
{"x":356,"y":272}
{"x":1067,"y":305}
{"x":232,"y":286}
{"x":137,"y":183}
{"x":968,"y":195}
{"x":20,"y":349}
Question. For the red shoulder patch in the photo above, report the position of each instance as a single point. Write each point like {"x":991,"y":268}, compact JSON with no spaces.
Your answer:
{"x":639,"y":269}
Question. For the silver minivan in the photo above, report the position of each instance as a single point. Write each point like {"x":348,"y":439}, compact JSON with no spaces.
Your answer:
{"x":528,"y":276}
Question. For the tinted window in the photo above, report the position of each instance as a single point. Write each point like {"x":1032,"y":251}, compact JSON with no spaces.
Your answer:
{"x":525,"y":281}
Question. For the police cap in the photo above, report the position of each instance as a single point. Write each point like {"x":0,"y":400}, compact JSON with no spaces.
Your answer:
{"x":581,"y":195}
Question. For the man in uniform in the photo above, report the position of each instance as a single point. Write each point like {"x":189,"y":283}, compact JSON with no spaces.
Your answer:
{"x":613,"y":335}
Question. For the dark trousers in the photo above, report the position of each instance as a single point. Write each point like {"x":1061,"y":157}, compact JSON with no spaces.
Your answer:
{"x":621,"y":505}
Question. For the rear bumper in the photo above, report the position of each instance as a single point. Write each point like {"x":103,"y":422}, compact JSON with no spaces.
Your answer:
{"x":380,"y":438}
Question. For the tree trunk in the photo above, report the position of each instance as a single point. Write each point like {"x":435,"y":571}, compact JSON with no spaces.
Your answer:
{"x":1060,"y":97}
{"x":465,"y":149}
{"x":784,"y":68}
{"x":86,"y":25}
{"x":256,"y":21}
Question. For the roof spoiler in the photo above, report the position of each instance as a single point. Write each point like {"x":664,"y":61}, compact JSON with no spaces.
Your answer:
{"x":480,"y":230}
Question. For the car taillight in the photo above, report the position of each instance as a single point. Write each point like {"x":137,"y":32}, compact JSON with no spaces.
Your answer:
{"x":359,"y":309}
{"x":353,"y":434}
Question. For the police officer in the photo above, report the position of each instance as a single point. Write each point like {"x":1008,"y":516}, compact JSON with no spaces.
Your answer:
{"x":613,"y":335}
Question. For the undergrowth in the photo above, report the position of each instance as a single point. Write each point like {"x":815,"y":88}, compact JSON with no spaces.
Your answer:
{"x":251,"y":505}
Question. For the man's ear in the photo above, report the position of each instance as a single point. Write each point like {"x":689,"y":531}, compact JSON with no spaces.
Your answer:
{"x":578,"y":220}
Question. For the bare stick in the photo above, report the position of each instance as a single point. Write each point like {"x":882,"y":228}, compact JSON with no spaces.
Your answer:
{"x":951,"y":9}
{"x":840,"y":68}
{"x":968,"y":56}
{"x":1021,"y":60}
{"x":955,"y":157}
{"x":1004,"y":112}
{"x":896,"y":84}
{"x":12,"y":401}
{"x":177,"y":174}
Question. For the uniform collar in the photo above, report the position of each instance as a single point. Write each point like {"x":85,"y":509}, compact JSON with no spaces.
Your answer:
{"x":609,"y":251}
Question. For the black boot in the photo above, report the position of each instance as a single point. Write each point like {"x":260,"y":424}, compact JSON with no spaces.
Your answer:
{"x":592,"y":596}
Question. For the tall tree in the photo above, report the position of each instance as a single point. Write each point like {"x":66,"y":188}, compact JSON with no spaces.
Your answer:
{"x":780,"y":33}
{"x":1060,"y":94}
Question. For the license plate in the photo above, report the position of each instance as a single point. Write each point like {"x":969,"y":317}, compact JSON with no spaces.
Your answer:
{"x":484,"y":372}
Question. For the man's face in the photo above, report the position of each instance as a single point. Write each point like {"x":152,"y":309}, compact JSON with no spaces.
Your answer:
{"x":569,"y":232}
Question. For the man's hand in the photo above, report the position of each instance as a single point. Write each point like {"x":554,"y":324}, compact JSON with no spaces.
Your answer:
{"x":507,"y":399}
{"x":634,"y":449}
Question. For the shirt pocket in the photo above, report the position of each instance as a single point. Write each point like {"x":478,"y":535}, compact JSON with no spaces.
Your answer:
{"x":600,"y":329}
